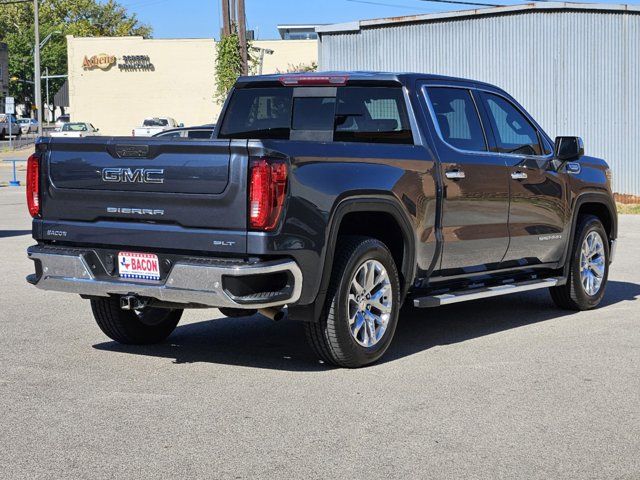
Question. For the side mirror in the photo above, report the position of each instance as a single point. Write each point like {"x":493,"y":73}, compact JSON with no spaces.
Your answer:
{"x":181,"y":125}
{"x":568,"y":148}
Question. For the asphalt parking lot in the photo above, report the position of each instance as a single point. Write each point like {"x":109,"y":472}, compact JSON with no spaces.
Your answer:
{"x":501,"y":388}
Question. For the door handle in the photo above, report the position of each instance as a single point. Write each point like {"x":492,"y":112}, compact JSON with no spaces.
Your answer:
{"x":519,"y":175}
{"x":454,"y":174}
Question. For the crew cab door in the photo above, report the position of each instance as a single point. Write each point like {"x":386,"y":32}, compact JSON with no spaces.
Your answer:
{"x":537,"y":211}
{"x":475,"y":183}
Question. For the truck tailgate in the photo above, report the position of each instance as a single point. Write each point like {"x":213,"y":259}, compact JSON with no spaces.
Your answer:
{"x":152,"y":193}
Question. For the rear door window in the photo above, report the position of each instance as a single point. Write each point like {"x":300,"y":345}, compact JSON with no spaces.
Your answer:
{"x":457,"y":118}
{"x":513,"y":132}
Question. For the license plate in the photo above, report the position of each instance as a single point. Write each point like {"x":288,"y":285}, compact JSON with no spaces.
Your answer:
{"x":138,"y":265}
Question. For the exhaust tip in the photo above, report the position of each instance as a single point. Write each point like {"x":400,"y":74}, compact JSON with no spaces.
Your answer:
{"x":273,"y":313}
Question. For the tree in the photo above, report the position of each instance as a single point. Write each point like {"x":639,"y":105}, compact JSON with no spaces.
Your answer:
{"x":228,"y":64}
{"x":81,"y":18}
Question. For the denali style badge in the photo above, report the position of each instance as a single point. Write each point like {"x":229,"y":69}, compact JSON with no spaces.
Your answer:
{"x":137,"y":175}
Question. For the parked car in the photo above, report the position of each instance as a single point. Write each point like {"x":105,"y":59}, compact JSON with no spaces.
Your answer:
{"x":8,"y":122}
{"x":77,"y":130}
{"x":61,"y":120}
{"x":153,"y":126}
{"x":28,"y":125}
{"x":342,"y":196}
{"x":203,"y":132}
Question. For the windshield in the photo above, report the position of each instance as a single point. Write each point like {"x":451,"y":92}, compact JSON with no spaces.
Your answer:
{"x":155,"y":122}
{"x":74,"y":127}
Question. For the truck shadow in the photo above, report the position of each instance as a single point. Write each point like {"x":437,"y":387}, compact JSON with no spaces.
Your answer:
{"x":14,"y":233}
{"x":260,"y":343}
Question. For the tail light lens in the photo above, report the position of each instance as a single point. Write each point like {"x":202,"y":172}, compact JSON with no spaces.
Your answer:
{"x":267,"y":191}
{"x":33,"y":185}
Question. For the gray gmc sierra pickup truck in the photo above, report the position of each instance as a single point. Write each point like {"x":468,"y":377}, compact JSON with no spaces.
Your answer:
{"x":333,"y":197}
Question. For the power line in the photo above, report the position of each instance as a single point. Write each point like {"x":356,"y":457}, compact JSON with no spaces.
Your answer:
{"x":462,"y":2}
{"x":386,"y":4}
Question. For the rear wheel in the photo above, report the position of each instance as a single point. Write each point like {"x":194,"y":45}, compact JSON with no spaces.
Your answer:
{"x":361,"y":311}
{"x":2,"y":134}
{"x":134,"y":327}
{"x":589,"y":268}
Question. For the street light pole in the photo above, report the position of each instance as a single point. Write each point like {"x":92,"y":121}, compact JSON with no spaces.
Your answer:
{"x":46,"y":73}
{"x":36,"y":67}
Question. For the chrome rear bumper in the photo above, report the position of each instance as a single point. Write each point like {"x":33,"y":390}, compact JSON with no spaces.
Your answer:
{"x":188,"y":282}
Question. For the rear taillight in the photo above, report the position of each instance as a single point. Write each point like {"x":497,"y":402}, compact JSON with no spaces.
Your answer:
{"x":267,"y":190}
{"x":133,"y":133}
{"x":33,"y":185}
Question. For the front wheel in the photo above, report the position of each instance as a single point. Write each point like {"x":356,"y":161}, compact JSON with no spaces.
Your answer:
{"x":363,"y":301}
{"x":134,"y":327}
{"x":589,"y":268}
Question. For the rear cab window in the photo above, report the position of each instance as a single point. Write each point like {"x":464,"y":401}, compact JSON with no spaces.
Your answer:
{"x":365,"y":114}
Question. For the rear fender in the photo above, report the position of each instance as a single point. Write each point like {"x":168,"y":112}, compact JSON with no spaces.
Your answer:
{"x":368,"y":203}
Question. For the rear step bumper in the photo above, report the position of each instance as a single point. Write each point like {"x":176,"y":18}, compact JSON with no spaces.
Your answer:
{"x":202,"y":282}
{"x":477,"y":293}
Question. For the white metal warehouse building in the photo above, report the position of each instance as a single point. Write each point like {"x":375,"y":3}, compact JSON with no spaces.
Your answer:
{"x":575,"y":67}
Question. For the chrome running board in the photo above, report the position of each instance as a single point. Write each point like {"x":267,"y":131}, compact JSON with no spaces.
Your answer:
{"x":483,"y":292}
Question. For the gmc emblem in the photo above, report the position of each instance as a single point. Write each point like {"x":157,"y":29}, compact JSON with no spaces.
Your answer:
{"x":137,"y":175}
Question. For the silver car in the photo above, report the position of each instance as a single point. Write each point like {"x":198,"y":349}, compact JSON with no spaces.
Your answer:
{"x":28,"y":125}
{"x":6,"y":122}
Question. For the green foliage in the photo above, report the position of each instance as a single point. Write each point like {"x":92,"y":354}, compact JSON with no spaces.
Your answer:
{"x":81,"y":18}
{"x":300,"y":68}
{"x":228,"y":64}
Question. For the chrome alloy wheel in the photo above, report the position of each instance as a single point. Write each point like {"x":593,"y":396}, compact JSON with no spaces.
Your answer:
{"x":592,"y":263}
{"x":370,"y":303}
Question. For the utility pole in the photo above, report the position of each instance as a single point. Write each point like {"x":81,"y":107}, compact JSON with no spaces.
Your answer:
{"x":36,"y":66}
{"x":234,"y":13}
{"x":225,"y":18}
{"x":242,"y":37}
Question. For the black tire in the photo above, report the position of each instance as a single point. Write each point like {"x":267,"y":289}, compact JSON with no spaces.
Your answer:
{"x":572,"y":295}
{"x":330,"y":337}
{"x":2,"y":134}
{"x":150,"y":325}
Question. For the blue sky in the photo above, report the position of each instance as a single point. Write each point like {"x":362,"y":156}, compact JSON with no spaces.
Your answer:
{"x":201,"y":18}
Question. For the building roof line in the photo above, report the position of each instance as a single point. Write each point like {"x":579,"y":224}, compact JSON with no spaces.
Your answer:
{"x":490,"y":11}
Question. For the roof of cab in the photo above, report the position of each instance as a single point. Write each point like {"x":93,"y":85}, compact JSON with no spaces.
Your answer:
{"x":361,"y":76}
